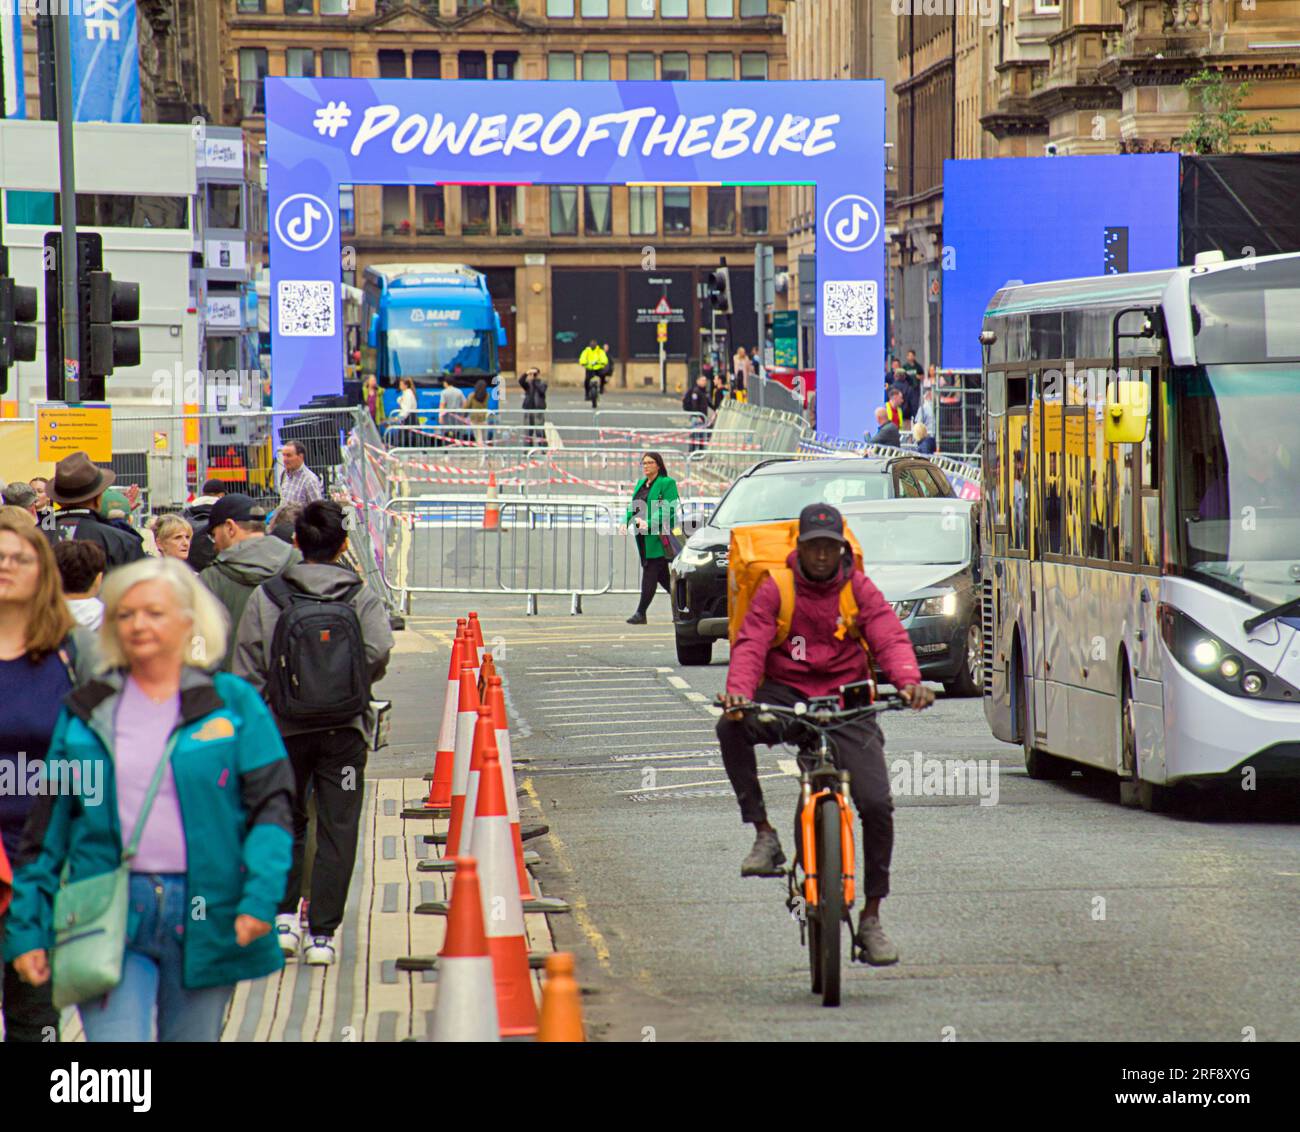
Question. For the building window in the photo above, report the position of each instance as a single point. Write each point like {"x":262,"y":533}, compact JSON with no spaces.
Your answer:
{"x":720,"y":9}
{"x":564,"y":210}
{"x":224,"y":209}
{"x":473,"y":64}
{"x":561,"y":9}
{"x":298,"y":7}
{"x":392,"y":64}
{"x":641,"y":65}
{"x":595,"y":65}
{"x":676,"y":66}
{"x":561,"y":65}
{"x":1042,"y":7}
{"x":722,"y":212}
{"x":347,"y":210}
{"x":251,"y":7}
{"x":433,"y":210}
{"x":335,"y":7}
{"x":476,"y":206}
{"x":397,"y":210}
{"x":335,"y":63}
{"x":641,"y":202}
{"x":753,"y":210}
{"x":674,"y":9}
{"x":252,"y":70}
{"x":426,"y":65}
{"x":677,"y":211}
{"x":753,"y":65}
{"x":510,"y":221}
{"x":720,"y":65}
{"x":300,"y":63}
{"x":595,"y":213}
{"x":99,"y":210}
{"x":752,"y":8}
{"x":595,"y":9}
{"x":640,"y":9}
{"x":503,"y":64}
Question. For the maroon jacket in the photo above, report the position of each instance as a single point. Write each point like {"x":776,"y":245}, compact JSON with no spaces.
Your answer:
{"x":825,"y":663}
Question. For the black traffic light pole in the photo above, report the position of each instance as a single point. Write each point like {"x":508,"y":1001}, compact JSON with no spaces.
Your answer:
{"x":70,"y":385}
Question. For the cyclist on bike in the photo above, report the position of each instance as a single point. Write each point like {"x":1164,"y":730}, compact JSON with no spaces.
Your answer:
{"x":815,"y":659}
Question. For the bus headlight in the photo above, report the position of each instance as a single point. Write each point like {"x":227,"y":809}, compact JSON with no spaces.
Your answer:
{"x":944,"y":605}
{"x":1215,"y":662}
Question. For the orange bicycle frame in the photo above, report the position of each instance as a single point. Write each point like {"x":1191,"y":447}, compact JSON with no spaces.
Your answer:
{"x":807,"y":830}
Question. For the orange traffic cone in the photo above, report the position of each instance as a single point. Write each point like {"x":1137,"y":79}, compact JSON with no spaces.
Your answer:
{"x":561,"y":1019}
{"x":483,"y":731}
{"x":466,"y":722}
{"x":440,"y":789}
{"x":476,"y":631}
{"x":485,"y":673}
{"x":466,"y":1007}
{"x":504,"y":922}
{"x":492,"y":512}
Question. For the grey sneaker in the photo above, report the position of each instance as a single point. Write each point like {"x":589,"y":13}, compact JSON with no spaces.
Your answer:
{"x":765,"y":858}
{"x":876,"y":947}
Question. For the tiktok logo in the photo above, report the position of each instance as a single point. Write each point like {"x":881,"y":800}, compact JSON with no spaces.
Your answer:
{"x":852,"y":223}
{"x":304,"y":222}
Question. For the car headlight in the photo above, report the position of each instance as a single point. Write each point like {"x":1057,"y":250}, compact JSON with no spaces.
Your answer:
{"x":1216,"y":662}
{"x":904,"y":609}
{"x":692,"y":557}
{"x":941,"y":605}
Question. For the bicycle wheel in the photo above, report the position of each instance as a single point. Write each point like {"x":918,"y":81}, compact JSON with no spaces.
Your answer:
{"x":809,"y":914}
{"x":830,"y":898}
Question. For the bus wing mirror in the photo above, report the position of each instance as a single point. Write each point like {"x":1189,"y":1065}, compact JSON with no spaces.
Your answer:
{"x":372,"y":334}
{"x":501,"y":330}
{"x":1127,"y":413}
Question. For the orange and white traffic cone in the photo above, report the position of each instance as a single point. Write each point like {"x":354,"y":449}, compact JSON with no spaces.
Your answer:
{"x":476,"y":631}
{"x":440,"y":789}
{"x":561,"y":1019}
{"x":466,"y":1006}
{"x":503,"y":912}
{"x":466,"y":721}
{"x":483,"y":733}
{"x":492,"y":512}
{"x":496,"y":700}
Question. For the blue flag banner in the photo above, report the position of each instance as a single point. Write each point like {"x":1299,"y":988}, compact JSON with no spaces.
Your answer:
{"x":11,"y":52}
{"x":105,"y":61}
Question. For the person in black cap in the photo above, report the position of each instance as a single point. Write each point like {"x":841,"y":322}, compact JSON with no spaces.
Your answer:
{"x":816,"y":658}
{"x":203,"y":551}
{"x":78,"y":488}
{"x":245,"y":559}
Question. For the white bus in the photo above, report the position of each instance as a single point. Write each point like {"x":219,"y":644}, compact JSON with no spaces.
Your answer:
{"x":1141,"y":525}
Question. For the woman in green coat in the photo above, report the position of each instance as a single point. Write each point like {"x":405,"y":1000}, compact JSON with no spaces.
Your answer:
{"x":652,"y":515}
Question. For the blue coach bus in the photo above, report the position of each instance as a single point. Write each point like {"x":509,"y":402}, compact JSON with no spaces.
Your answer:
{"x":427,"y":321}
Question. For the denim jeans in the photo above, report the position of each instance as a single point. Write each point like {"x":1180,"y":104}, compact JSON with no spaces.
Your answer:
{"x":151,"y":987}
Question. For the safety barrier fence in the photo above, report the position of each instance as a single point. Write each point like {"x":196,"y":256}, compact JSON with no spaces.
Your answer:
{"x":403,"y":437}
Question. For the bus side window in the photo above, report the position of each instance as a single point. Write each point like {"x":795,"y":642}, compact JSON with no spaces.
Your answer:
{"x":1121,"y":501}
{"x":1098,"y":474}
{"x":1149,"y":494}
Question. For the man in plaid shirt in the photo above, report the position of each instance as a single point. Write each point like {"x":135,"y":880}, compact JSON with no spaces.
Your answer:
{"x":298,"y":483}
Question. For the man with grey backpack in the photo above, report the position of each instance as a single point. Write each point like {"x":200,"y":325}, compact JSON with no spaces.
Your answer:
{"x":314,"y":641}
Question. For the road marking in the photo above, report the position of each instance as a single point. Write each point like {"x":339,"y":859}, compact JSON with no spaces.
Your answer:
{"x":688,"y":785}
{"x":661,"y":755}
{"x":697,"y":697}
{"x":660,"y":731}
{"x":590,"y":668}
{"x":789,"y":766}
{"x":612,"y":746}
{"x":713,"y":710}
{"x":648,"y":719}
{"x":677,"y":682}
{"x":630,"y":681}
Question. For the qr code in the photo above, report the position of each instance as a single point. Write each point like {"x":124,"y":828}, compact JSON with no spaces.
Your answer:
{"x":849,"y":307}
{"x":306,"y":309}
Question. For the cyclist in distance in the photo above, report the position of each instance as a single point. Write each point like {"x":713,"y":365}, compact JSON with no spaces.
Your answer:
{"x":815,"y":659}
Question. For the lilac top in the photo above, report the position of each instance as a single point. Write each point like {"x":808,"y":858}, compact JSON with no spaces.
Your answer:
{"x":141,"y":731}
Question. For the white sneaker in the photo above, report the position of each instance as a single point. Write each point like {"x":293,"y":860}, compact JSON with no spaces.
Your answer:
{"x":319,"y":951}
{"x":288,"y":934}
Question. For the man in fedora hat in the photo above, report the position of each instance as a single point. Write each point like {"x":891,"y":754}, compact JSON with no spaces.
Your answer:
{"x":78,"y":488}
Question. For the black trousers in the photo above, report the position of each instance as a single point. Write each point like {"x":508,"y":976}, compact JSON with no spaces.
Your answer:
{"x":331,"y":764}
{"x":654,"y":572}
{"x":860,"y":749}
{"x":534,"y":420}
{"x":29,"y":1013}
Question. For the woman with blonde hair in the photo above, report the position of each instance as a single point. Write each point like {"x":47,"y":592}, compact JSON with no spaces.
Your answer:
{"x":42,"y":658}
{"x":196,"y":796}
{"x":173,"y":535}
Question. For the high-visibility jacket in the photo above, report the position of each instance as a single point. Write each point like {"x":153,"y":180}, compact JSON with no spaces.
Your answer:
{"x":895,"y":413}
{"x":593,"y":359}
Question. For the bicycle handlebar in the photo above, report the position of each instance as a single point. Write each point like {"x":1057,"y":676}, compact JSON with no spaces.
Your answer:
{"x":817,"y":715}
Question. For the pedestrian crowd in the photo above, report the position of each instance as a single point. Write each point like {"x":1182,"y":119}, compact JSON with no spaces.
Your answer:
{"x":908,"y":418}
{"x":175,"y":696}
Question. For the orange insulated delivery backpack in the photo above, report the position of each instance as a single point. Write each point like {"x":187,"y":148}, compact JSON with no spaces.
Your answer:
{"x":760,"y":550}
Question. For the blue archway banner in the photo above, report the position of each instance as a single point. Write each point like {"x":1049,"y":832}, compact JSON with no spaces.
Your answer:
{"x":322,"y":133}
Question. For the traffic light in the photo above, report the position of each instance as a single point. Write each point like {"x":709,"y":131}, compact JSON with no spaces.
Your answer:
{"x":111,"y":345}
{"x":17,"y":310}
{"x":720,"y":290}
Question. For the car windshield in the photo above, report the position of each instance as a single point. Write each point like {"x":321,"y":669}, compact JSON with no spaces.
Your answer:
{"x":912,"y":537}
{"x":1237,"y":452}
{"x":767,"y":498}
{"x":425,"y":353}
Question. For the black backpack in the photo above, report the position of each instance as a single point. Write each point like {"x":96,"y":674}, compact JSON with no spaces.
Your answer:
{"x":318,"y":674}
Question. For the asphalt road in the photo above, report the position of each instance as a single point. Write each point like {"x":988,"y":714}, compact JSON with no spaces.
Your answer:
{"x":1047,"y":913}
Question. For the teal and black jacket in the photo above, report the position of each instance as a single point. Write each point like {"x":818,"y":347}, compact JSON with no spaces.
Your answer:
{"x":235,"y":788}
{"x":659,"y":510}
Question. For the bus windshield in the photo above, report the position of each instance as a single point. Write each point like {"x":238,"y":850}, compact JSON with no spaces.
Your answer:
{"x":425,"y":354}
{"x":1236,"y":443}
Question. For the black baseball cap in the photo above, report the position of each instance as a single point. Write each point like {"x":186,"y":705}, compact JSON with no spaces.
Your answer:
{"x":821,"y":520}
{"x":239,"y":507}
